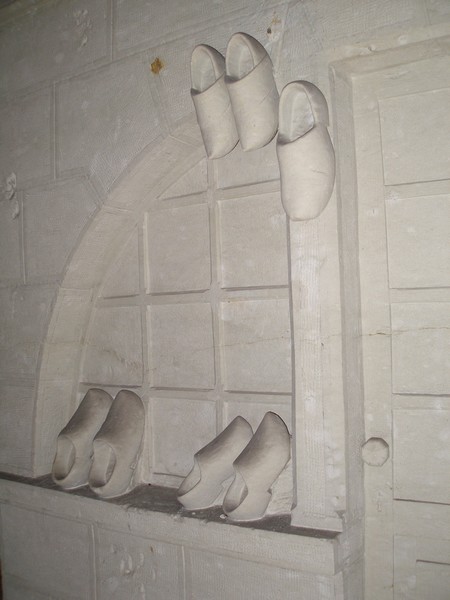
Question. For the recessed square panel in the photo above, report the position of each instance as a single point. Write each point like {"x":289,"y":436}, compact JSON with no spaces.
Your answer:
{"x":181,"y":346}
{"x":253,"y":245}
{"x":256,"y":343}
{"x":422,"y":457}
{"x":114,"y":347}
{"x":179,"y":250}
{"x":192,"y":423}
{"x":415,"y":131}
{"x":418,"y":241}
{"x":421,"y":348}
{"x":255,"y":411}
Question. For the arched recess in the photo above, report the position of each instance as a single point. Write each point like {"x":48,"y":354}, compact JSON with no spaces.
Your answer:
{"x":312,"y":283}
{"x":153,"y":172}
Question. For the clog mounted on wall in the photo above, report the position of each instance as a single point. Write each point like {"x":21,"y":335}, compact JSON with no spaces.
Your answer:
{"x":305,"y":151}
{"x":74,"y":445}
{"x":212,"y":102}
{"x":117,"y":446}
{"x":213,"y":465}
{"x":256,"y":470}
{"x":252,"y":89}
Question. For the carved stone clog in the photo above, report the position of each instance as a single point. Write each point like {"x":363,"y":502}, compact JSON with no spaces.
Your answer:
{"x":213,"y":465}
{"x":212,"y":102}
{"x":252,"y":89}
{"x":305,"y":151}
{"x":256,"y":470}
{"x":117,"y":446}
{"x":74,"y":445}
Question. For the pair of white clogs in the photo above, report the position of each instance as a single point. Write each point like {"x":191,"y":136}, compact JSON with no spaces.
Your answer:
{"x":101,"y":443}
{"x":255,"y":459}
{"x":236,"y":98}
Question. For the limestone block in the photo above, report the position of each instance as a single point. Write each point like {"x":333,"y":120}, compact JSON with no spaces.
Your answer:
{"x":53,"y":41}
{"x":181,"y":346}
{"x":253,"y":242}
{"x":176,"y":56}
{"x":422,"y":564}
{"x":58,"y":401}
{"x":432,"y":579}
{"x":256,"y":345}
{"x":193,"y":181}
{"x":66,"y":563}
{"x":69,"y":316}
{"x":241,"y":168}
{"x":212,"y":576}
{"x":422,"y":460}
{"x":16,"y":428}
{"x":134,"y":568}
{"x":255,"y":411}
{"x":418,"y":231}
{"x":438,"y":11}
{"x":421,"y":348}
{"x":10,"y":245}
{"x":179,"y":257}
{"x":191,"y":422}
{"x":401,"y":130}
{"x":24,"y":313}
{"x":141,"y":24}
{"x":25,"y":131}
{"x":48,"y":240}
{"x":114,"y":347}
{"x":17,"y":590}
{"x":109,"y":228}
{"x":105,"y":119}
{"x":123,"y":276}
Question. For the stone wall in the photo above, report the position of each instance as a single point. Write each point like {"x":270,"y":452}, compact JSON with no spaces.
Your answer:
{"x":96,"y":122}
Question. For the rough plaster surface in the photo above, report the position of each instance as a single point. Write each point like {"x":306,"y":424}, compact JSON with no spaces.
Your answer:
{"x":66,"y":107}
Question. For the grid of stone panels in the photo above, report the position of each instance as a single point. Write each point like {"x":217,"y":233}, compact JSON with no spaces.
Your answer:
{"x":211,"y":298}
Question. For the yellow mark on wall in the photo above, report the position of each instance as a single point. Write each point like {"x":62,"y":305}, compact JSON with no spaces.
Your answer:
{"x":157,"y":65}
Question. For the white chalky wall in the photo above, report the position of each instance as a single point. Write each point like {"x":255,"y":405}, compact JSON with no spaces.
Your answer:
{"x":110,"y":175}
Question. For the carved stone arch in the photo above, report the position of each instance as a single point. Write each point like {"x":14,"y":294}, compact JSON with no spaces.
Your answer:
{"x":143,"y":181}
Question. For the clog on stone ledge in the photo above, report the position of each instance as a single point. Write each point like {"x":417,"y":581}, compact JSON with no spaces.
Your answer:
{"x":252,"y":89}
{"x":213,"y":465}
{"x":305,"y":151}
{"x":74,"y":445}
{"x":256,"y":470}
{"x":117,"y":446}
{"x":212,"y":102}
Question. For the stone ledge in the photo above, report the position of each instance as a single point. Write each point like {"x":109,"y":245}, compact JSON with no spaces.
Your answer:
{"x":153,"y":512}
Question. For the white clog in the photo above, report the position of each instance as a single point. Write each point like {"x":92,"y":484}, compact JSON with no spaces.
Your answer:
{"x":256,"y":470}
{"x":213,"y":465}
{"x":305,"y":151}
{"x":212,"y":102}
{"x":252,"y":90}
{"x":117,"y":446}
{"x":74,"y":445}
